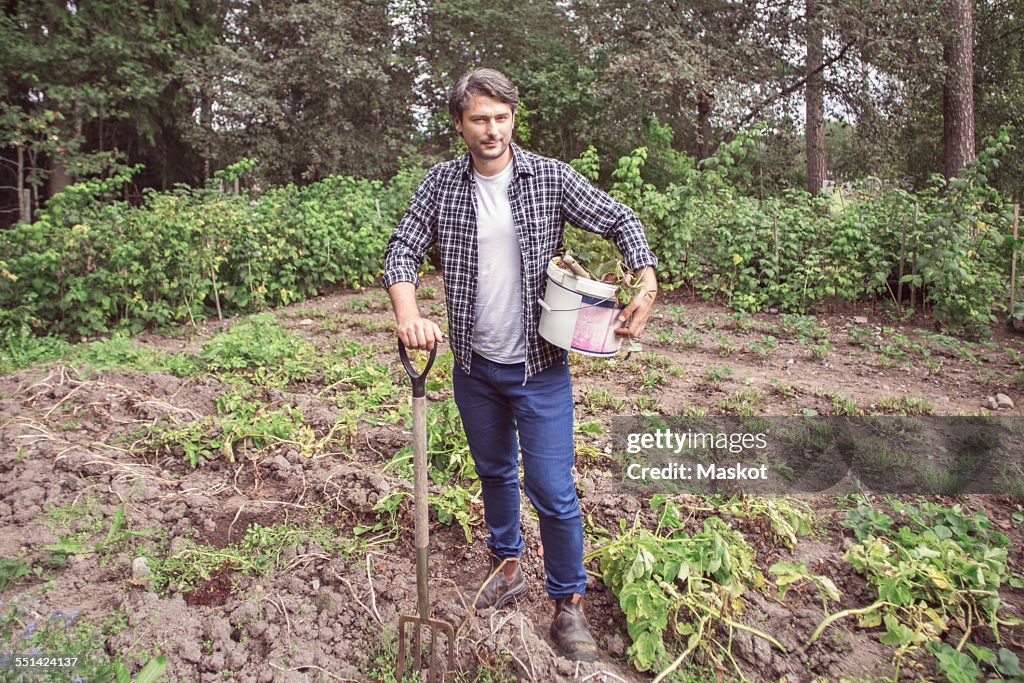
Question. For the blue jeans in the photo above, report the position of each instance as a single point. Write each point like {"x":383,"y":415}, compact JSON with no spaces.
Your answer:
{"x":496,"y":407}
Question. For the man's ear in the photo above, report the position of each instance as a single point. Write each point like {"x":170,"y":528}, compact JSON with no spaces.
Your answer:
{"x":458,"y":124}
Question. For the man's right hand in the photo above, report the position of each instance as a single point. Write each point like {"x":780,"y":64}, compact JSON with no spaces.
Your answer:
{"x":419,"y":333}
{"x":415,"y":331}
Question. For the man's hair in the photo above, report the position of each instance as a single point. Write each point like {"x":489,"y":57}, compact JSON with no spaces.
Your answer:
{"x":487,"y":82}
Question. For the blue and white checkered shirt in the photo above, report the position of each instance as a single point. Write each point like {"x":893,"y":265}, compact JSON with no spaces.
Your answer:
{"x":544,"y":193}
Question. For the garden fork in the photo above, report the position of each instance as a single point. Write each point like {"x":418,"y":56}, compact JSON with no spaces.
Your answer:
{"x":438,"y":629}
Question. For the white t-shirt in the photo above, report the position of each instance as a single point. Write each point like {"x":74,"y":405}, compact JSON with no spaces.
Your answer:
{"x":498,"y":333}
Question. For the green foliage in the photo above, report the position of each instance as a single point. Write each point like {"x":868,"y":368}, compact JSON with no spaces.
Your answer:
{"x":936,"y":566}
{"x":119,"y":351}
{"x":599,"y":256}
{"x":336,"y":101}
{"x":19,"y":348}
{"x":386,"y":512}
{"x":82,"y":83}
{"x":11,"y":572}
{"x":788,"y":574}
{"x":270,"y":354}
{"x":794,"y":251}
{"x":675,"y":587}
{"x":450,"y":466}
{"x":241,"y":426}
{"x":258,"y":552}
{"x":91,"y":264}
{"x":787,"y":518}
{"x":715,"y":375}
{"x":960,"y":667}
{"x":453,"y":505}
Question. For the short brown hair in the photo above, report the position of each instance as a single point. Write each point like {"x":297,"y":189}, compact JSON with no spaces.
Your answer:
{"x":489,"y":82}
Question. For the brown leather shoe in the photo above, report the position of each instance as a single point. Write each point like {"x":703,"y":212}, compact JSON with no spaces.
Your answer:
{"x":499,"y":591}
{"x":571,"y":632}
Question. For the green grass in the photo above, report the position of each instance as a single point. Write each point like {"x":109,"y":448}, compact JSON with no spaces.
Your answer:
{"x":83,"y":527}
{"x":21,"y":349}
{"x":844,"y":406}
{"x":880,"y":457}
{"x":905,"y":405}
{"x":743,"y":402}
{"x":258,"y":552}
{"x":647,"y":404}
{"x":801,"y":327}
{"x":1011,"y":481}
{"x":715,"y":375}
{"x":369,"y":303}
{"x":595,"y":400}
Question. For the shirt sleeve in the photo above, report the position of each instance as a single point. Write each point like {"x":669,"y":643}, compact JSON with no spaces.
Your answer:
{"x":414,"y":233}
{"x":588,"y":208}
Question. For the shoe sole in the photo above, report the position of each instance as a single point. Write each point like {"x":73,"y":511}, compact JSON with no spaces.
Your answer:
{"x":586,"y":657}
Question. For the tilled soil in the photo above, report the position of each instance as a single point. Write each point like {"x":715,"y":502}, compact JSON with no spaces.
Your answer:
{"x":67,"y":434}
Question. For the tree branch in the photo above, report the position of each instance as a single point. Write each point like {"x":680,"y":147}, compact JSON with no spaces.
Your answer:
{"x":793,"y":87}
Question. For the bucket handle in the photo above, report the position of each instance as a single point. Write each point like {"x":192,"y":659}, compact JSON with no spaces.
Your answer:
{"x":546,"y":307}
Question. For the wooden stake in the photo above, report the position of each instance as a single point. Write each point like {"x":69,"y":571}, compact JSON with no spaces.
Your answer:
{"x":903,"y":257}
{"x":213,"y":279}
{"x":913,"y":263}
{"x":216,"y":294}
{"x":1013,"y":265}
{"x":775,"y":230}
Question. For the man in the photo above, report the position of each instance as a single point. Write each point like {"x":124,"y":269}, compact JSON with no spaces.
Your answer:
{"x":498,"y":214}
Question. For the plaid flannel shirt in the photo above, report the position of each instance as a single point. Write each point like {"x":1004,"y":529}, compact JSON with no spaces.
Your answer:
{"x":544,"y":194}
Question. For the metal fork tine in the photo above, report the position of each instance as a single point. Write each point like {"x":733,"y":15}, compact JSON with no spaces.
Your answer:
{"x":417,"y":658}
{"x":434,"y":664}
{"x":400,"y":669}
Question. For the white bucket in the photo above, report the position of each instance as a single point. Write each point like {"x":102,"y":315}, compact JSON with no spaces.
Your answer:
{"x":579,"y":314}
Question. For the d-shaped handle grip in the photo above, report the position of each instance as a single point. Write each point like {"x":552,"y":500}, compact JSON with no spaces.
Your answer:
{"x":419,"y":380}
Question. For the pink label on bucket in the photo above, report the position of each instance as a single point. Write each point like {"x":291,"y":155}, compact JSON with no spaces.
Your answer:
{"x":595,"y":329}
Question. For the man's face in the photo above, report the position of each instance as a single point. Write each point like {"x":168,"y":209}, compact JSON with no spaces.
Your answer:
{"x":486,"y":126}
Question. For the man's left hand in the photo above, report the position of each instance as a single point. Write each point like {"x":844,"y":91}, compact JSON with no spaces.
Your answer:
{"x":634,"y":316}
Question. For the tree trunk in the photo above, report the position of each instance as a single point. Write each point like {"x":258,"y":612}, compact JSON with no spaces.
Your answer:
{"x":958,"y":91}
{"x":60,"y":179}
{"x":705,"y":104}
{"x":817,"y":172}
